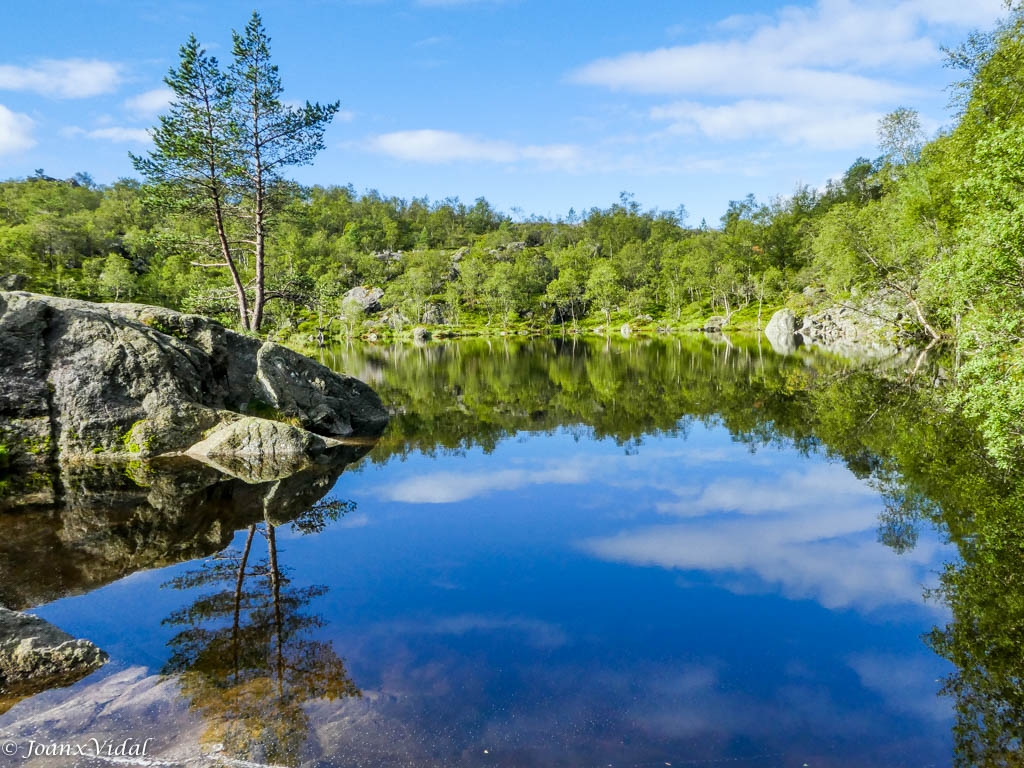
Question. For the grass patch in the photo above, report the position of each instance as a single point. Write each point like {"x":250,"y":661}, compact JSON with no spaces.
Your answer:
{"x":262,"y":410}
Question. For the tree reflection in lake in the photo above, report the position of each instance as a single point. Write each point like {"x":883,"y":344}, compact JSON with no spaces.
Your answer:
{"x":985,"y":638}
{"x":246,"y":661}
{"x":502,"y":591}
{"x":929,"y":467}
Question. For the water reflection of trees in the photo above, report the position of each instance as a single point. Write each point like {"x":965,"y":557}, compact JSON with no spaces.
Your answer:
{"x":245,"y":654}
{"x":985,"y":638}
{"x":890,"y":430}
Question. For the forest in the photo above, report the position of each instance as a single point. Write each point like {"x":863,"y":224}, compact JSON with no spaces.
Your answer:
{"x":936,"y":223}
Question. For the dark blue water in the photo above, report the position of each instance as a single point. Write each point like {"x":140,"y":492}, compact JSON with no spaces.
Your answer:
{"x":565,"y":599}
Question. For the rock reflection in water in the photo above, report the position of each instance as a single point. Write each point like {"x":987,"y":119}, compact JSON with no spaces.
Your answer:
{"x":112,"y":520}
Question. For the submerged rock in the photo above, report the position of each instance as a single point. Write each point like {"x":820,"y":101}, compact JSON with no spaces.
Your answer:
{"x":36,"y":656}
{"x":257,"y":449}
{"x":259,"y":438}
{"x":82,"y":380}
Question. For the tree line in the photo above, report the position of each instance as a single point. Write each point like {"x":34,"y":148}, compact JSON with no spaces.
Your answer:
{"x":215,"y":227}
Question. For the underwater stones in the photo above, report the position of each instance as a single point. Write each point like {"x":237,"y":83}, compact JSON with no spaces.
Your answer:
{"x":35,"y":655}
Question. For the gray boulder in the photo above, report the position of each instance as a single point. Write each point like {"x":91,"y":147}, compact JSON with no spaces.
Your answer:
{"x":82,"y":380}
{"x":878,"y":323}
{"x":394,"y":319}
{"x":781,"y":332}
{"x":714,"y":323}
{"x":12,"y":282}
{"x":258,"y":450}
{"x":261,"y":439}
{"x":36,"y":656}
{"x":365,"y":297}
{"x":432,"y":314}
{"x":323,"y":401}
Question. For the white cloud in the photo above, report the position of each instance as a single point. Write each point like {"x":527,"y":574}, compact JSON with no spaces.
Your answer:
{"x":815,"y":125}
{"x":115,"y":133}
{"x":15,"y":131}
{"x":450,"y":487}
{"x":62,"y":78}
{"x":957,"y":13}
{"x":819,"y":487}
{"x":149,"y":104}
{"x":429,"y":146}
{"x":842,"y":572}
{"x":730,"y":69}
{"x":908,"y":684}
{"x":432,"y":146}
{"x":826,"y":51}
{"x":818,"y":75}
{"x":615,"y":470}
{"x":809,"y":534}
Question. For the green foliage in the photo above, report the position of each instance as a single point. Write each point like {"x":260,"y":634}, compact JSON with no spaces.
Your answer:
{"x":900,"y":136}
{"x":604,"y":288}
{"x":219,"y":155}
{"x":934,"y":226}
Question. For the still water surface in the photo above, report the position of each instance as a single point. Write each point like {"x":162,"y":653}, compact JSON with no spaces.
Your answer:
{"x":559,"y":554}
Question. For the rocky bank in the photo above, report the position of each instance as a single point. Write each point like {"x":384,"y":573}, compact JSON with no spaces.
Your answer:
{"x":80,"y":380}
{"x":876,"y":325}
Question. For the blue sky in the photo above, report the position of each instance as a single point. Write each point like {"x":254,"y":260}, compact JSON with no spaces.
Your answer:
{"x":538,"y":105}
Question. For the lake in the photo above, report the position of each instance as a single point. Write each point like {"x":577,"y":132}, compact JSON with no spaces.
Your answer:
{"x":672,"y":552}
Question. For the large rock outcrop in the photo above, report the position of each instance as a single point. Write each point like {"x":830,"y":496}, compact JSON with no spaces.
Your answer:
{"x":83,"y":380}
{"x":877,"y":323}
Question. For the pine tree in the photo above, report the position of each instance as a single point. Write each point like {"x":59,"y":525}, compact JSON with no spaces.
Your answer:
{"x":220,"y":152}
